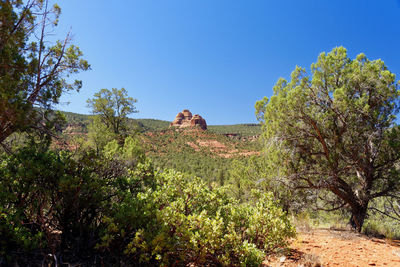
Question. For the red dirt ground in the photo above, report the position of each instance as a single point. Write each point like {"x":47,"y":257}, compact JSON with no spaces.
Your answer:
{"x":325,"y":247}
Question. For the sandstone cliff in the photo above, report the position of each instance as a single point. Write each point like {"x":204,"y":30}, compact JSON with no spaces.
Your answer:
{"x":185,"y":119}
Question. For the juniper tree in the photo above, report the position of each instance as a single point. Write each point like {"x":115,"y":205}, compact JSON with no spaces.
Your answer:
{"x":34,"y":72}
{"x":334,"y":131}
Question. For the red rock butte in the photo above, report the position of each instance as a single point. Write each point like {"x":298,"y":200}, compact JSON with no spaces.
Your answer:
{"x":185,"y":119}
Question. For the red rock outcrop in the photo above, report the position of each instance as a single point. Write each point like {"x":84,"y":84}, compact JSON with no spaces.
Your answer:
{"x":185,"y":119}
{"x":187,"y":114}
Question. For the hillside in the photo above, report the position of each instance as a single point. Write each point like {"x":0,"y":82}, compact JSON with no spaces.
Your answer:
{"x":244,"y":130}
{"x":207,"y":154}
{"x":81,"y":121}
{"x":201,"y":153}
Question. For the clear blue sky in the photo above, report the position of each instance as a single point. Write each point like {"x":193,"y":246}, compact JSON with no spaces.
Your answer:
{"x":217,"y":57}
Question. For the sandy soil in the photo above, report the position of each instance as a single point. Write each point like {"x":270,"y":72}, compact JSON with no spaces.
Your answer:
{"x":338,"y":248}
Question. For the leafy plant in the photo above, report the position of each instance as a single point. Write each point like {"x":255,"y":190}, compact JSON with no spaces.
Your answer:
{"x":333,"y":131}
{"x":195,"y":224}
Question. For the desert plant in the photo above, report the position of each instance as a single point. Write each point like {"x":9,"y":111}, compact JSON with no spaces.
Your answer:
{"x":189,"y":222}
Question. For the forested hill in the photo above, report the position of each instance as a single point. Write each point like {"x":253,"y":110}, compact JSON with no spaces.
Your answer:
{"x":205,"y":154}
{"x":79,"y":123}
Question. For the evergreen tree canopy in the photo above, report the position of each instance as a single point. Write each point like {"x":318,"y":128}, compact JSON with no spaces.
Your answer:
{"x":334,"y":131}
{"x":34,"y":72}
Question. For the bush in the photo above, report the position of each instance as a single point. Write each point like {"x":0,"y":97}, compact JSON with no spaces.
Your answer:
{"x":189,"y":223}
{"x":53,"y":203}
{"x":116,"y":210}
{"x":383,"y":225}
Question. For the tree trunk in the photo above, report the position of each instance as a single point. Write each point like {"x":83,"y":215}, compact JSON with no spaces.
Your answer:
{"x":358,"y":216}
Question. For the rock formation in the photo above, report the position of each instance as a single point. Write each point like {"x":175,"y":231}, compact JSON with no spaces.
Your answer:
{"x":185,"y":119}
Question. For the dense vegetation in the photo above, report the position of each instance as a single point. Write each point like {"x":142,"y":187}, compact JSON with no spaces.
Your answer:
{"x":106,"y":190}
{"x":192,"y":152}
{"x":152,"y":124}
{"x":199,"y":153}
{"x":115,"y":209}
{"x":241,"y":130}
{"x":91,"y":196}
{"x":333,"y":132}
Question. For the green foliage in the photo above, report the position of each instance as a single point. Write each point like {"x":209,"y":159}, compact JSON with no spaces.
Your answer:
{"x":79,"y":122}
{"x":152,"y":124}
{"x":52,"y":201}
{"x":108,"y":203}
{"x":247,"y":174}
{"x":187,"y":222}
{"x":182,"y":151}
{"x":77,"y":206}
{"x":383,"y":219}
{"x":112,"y":108}
{"x":241,"y":130}
{"x":99,"y":134}
{"x":244,"y":175}
{"x":333,"y":130}
{"x":388,"y":228}
{"x":35,"y":72}
{"x":130,"y":152}
{"x":170,"y":149}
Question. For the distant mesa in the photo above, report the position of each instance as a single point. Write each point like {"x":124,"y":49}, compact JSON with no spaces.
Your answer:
{"x":185,"y":119}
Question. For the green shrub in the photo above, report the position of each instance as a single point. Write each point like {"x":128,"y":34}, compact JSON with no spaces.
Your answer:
{"x":51,"y":202}
{"x":80,"y":208}
{"x":380,"y":225}
{"x":189,"y":222}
